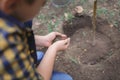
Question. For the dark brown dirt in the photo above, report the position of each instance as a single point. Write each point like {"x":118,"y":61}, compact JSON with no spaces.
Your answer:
{"x":85,"y":61}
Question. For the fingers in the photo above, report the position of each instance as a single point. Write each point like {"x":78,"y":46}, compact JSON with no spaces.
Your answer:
{"x":67,"y":42}
{"x":61,"y":44}
{"x":61,"y":35}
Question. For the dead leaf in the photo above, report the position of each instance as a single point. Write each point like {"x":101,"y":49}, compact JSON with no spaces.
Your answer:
{"x":79,"y":9}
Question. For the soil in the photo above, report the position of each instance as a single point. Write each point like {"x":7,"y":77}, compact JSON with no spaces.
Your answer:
{"x":85,"y":61}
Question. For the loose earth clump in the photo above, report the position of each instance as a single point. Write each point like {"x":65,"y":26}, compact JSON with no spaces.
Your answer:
{"x":91,"y":62}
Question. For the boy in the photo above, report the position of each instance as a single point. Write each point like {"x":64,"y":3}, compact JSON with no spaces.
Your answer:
{"x":17,"y":51}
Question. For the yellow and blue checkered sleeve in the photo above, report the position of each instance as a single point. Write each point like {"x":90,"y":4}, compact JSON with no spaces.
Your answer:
{"x":15,"y":60}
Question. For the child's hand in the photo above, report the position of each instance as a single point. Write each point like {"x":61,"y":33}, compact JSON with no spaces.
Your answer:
{"x":61,"y":45}
{"x":50,"y":37}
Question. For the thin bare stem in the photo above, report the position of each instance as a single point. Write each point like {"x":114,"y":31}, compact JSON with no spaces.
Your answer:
{"x":94,"y":21}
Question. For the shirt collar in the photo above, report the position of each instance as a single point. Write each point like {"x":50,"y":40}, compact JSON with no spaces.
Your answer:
{"x":12,"y":19}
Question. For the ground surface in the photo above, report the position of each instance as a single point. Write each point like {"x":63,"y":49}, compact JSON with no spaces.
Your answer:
{"x":83,"y":60}
{"x":86,"y":61}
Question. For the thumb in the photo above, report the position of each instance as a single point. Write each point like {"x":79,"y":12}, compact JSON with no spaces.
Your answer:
{"x":67,"y":42}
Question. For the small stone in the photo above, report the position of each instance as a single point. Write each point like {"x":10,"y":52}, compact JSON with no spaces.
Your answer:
{"x":85,"y":50}
{"x":111,"y":25}
{"x":103,"y":71}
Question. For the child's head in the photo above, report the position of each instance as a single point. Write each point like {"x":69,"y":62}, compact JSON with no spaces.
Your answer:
{"x":21,"y":9}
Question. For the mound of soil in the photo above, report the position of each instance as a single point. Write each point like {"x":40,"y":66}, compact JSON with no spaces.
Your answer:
{"x":91,"y":62}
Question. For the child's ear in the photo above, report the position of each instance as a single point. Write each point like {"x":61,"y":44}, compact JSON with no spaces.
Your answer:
{"x":8,"y":6}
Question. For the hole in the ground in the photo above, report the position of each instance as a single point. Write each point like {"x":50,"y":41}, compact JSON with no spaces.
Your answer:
{"x":81,"y":33}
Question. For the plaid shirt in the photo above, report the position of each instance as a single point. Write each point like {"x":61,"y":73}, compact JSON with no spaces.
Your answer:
{"x":16,"y":62}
